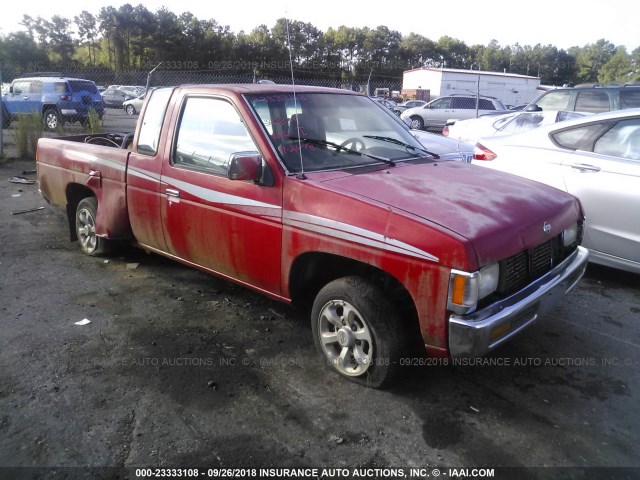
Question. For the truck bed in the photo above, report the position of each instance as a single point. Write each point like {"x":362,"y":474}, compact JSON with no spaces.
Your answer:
{"x":78,"y":163}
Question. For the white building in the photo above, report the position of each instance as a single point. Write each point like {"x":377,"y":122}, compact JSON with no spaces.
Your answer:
{"x":511,"y":88}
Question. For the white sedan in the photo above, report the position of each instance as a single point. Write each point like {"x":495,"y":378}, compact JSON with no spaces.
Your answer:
{"x":133,"y":106}
{"x":507,"y":124}
{"x":597,"y":159}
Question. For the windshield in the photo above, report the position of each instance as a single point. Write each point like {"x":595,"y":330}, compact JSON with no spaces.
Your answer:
{"x":324,"y":131}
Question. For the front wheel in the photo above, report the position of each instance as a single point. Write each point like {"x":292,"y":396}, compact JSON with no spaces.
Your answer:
{"x":358,"y":331}
{"x":417,"y":123}
{"x":130,"y":110}
{"x":89,"y":242}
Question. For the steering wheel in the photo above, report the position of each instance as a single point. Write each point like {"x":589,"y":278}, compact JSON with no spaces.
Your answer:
{"x":353,"y":143}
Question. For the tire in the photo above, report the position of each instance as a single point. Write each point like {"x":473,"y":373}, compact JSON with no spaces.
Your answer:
{"x":130,"y":110}
{"x":417,"y":122}
{"x":89,"y":242}
{"x":51,"y":119}
{"x":358,"y":331}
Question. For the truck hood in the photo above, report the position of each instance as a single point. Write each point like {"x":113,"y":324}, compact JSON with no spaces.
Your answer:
{"x":500,"y":214}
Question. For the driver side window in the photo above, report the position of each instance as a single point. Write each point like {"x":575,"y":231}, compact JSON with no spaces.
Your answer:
{"x":210,"y":132}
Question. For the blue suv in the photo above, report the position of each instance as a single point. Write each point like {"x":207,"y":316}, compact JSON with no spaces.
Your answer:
{"x":57,"y":99}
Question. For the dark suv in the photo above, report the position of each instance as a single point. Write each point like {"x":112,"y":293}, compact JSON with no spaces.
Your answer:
{"x":57,"y":99}
{"x":591,"y":99}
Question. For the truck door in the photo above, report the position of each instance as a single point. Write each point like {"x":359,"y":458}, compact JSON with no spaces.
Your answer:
{"x":231,"y":227}
{"x":144,"y":193}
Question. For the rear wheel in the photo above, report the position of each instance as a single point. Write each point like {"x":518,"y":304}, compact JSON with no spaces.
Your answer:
{"x":358,"y":331}
{"x":51,"y":119}
{"x":417,"y":122}
{"x":89,"y":242}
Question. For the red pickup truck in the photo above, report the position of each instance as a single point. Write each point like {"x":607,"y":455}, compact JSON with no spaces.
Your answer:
{"x":322,"y":196}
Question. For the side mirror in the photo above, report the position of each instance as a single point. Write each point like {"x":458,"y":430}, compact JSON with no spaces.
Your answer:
{"x":533,"y":108}
{"x":245,"y":166}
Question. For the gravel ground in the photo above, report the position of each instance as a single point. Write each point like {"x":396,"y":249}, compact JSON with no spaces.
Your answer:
{"x":180,"y":369}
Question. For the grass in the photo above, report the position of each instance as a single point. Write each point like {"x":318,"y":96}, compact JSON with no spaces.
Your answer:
{"x":28,"y":131}
{"x":95,"y":124}
{"x":29,"y":128}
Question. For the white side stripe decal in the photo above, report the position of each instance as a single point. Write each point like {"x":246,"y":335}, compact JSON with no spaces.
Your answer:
{"x":325,"y":226}
{"x":350,"y":233}
{"x":217,"y":197}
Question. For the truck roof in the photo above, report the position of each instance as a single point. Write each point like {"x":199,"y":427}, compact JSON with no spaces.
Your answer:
{"x":243,"y":88}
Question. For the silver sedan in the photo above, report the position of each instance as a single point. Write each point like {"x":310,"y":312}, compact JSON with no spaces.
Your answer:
{"x":597,"y":159}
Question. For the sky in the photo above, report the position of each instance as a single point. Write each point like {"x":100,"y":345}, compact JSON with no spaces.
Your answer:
{"x":563,"y":23}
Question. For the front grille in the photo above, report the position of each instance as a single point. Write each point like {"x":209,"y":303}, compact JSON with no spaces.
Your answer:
{"x":514,"y":272}
{"x":519,"y":270}
{"x":541,"y":259}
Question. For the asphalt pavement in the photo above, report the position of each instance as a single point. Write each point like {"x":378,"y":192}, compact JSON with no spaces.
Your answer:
{"x":178,"y":369}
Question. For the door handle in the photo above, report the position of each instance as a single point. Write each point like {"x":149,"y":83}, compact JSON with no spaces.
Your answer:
{"x":172,"y":193}
{"x":585,"y":167}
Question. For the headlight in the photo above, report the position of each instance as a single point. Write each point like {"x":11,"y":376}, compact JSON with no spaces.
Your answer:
{"x":570,"y":235}
{"x":466,"y":289}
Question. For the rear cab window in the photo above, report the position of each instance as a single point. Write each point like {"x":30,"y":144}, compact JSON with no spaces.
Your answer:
{"x":151,"y":126}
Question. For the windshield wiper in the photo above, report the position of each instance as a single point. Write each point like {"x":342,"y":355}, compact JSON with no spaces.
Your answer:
{"x":401,"y":143}
{"x":338,"y":147}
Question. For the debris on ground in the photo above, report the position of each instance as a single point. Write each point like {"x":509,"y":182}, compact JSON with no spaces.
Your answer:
{"x":132,"y":266}
{"x":21,"y":180}
{"x":84,"y":321}
{"x":18,"y":212}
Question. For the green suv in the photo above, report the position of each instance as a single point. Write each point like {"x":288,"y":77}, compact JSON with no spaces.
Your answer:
{"x":591,"y":99}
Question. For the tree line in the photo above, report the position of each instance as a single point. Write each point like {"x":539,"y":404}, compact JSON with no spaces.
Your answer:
{"x":133,"y":38}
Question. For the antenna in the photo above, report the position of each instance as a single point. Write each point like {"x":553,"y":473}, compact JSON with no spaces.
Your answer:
{"x":301,"y":176}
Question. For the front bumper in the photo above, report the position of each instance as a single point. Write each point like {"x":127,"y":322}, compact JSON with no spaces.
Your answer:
{"x":477,"y":333}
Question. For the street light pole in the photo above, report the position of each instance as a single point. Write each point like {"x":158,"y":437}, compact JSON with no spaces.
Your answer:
{"x":151,"y":73}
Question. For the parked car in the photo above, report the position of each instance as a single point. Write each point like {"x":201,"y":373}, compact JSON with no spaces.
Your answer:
{"x":114,"y":97}
{"x":440,"y":144}
{"x":133,"y":105}
{"x":591,"y":99}
{"x":134,"y":90}
{"x":318,"y":196}
{"x":596,"y":158}
{"x":384,"y":102}
{"x":401,"y":107}
{"x":506,"y":124}
{"x":56,"y":99}
{"x":437,"y":113}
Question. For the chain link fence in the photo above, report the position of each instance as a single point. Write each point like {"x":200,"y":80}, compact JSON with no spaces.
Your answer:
{"x":220,"y":74}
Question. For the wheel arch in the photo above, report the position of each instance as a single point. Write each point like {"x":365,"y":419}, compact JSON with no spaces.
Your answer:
{"x":75,"y":193}
{"x":311,"y":271}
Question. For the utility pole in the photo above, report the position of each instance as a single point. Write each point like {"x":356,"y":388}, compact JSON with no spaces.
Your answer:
{"x":478,"y":96}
